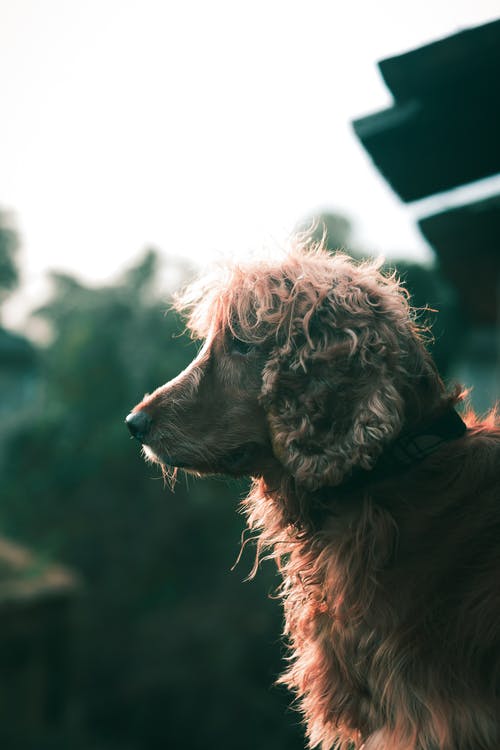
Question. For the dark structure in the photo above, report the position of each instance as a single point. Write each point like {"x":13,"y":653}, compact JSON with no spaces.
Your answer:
{"x":36,"y":600}
{"x":442,"y":132}
{"x":443,"y":128}
{"x":467,"y":240}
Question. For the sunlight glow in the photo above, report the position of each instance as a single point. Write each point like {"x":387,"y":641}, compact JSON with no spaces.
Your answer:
{"x":197,"y":127}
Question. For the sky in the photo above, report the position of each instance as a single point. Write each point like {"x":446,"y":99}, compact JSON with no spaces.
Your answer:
{"x":201,"y":127}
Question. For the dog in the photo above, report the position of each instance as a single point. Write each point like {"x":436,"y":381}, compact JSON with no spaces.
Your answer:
{"x":379,"y":503}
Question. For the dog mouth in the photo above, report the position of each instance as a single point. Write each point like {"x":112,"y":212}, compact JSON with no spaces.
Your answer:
{"x":238,"y":462}
{"x":164,"y":459}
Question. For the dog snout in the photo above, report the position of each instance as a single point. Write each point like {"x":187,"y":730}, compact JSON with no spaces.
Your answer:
{"x":138,"y":423}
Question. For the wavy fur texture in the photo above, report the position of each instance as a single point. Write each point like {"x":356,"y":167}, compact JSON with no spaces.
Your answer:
{"x":313,"y":365}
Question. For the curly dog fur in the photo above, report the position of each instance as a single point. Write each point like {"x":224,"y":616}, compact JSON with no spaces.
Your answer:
{"x":312,"y":371}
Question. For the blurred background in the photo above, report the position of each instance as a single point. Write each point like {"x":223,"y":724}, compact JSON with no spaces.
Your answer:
{"x":140,"y":141}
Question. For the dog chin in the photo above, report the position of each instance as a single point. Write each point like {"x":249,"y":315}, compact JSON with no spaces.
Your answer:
{"x":238,"y":463}
{"x":162,"y":459}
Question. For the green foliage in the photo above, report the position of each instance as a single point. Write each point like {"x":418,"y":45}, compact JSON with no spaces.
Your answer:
{"x":173,"y":650}
{"x":437,"y":310}
{"x":333,"y":229}
{"x":9,"y":245}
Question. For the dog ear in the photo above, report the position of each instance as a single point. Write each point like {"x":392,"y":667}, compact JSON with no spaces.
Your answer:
{"x":332,"y":400}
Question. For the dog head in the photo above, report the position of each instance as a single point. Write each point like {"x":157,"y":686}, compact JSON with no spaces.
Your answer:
{"x":311,"y":364}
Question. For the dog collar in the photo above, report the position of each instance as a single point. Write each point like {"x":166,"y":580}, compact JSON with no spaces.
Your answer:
{"x":409,"y":448}
{"x":413,"y":446}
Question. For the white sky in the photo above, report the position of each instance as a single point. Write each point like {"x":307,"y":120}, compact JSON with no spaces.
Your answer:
{"x":198,"y":126}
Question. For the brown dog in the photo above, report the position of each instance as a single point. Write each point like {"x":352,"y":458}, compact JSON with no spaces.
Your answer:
{"x":380,"y":506}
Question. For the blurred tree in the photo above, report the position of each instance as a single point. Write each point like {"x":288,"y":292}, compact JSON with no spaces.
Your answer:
{"x":142,"y":277}
{"x":9,"y":245}
{"x":437,"y":309}
{"x":332,"y":227}
{"x":174,"y":651}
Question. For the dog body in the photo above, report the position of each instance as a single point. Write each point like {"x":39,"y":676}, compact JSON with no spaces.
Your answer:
{"x":381,"y":509}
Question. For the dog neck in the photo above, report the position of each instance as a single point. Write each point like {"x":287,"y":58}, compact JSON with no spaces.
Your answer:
{"x":411,"y":447}
{"x":302,"y":509}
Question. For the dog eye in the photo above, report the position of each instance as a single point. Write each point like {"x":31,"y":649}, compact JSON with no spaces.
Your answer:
{"x":237,"y":346}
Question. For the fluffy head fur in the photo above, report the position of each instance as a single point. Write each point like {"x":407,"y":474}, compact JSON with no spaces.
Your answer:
{"x":345,"y":355}
{"x":312,"y":366}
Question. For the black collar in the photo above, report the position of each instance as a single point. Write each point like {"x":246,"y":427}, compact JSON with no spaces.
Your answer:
{"x":411,"y":447}
{"x":415,"y":445}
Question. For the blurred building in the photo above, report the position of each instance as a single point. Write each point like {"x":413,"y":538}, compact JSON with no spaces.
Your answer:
{"x":36,"y":597}
{"x":36,"y":601}
{"x":441,"y":133}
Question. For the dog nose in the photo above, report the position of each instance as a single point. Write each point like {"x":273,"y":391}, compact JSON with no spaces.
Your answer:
{"x":138,"y":423}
